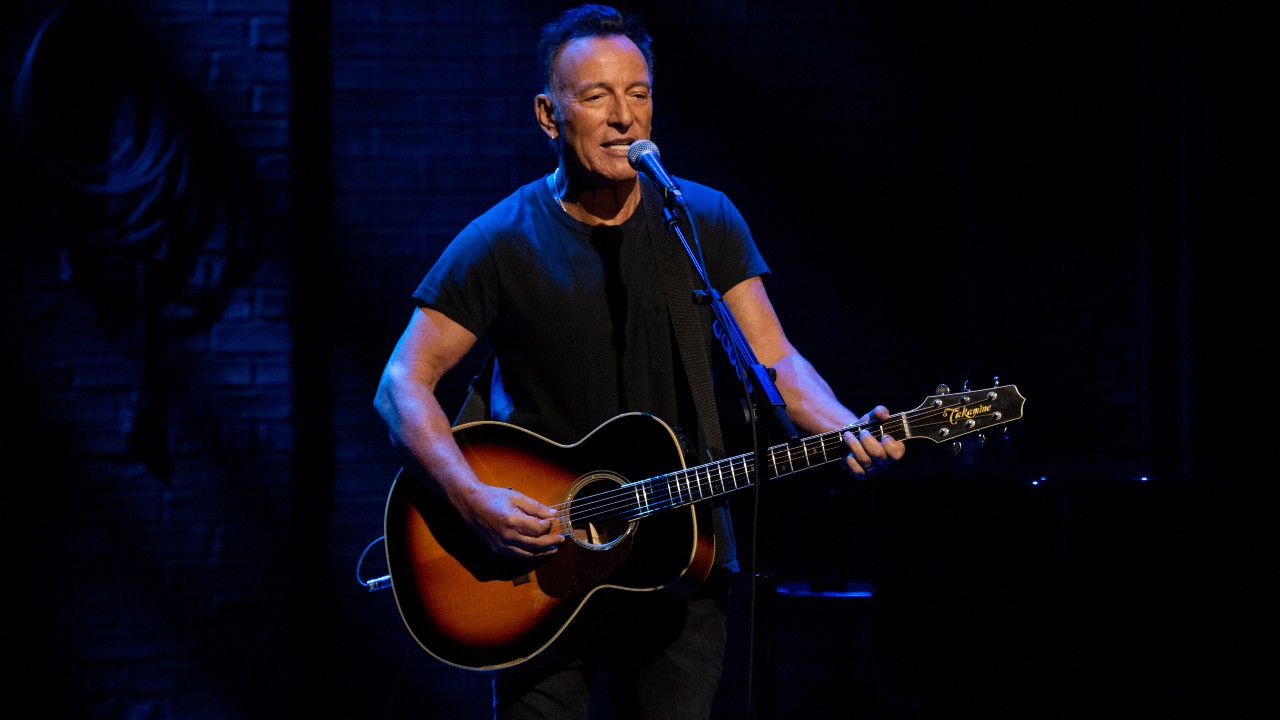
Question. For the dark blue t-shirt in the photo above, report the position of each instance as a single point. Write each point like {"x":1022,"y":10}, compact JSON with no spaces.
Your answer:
{"x":575,"y":313}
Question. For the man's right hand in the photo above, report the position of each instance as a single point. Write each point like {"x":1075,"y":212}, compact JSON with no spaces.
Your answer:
{"x":511,"y":523}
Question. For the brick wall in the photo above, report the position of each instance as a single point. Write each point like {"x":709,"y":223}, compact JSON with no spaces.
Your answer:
{"x":147,"y":312}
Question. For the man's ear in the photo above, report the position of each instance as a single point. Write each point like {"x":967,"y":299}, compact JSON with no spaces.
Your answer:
{"x":545,"y":112}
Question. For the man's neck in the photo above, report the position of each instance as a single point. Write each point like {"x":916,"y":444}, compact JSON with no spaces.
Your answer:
{"x":611,"y":204}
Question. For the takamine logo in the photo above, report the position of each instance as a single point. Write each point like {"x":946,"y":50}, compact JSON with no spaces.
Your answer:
{"x":955,"y":415}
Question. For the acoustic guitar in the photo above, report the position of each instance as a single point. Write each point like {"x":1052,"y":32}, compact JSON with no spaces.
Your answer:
{"x":635,"y":516}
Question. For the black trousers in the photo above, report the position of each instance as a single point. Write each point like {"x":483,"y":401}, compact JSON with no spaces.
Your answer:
{"x":652,"y":658}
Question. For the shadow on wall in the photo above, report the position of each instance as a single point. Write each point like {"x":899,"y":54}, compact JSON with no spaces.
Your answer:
{"x":125,"y":179}
{"x":129,"y":217}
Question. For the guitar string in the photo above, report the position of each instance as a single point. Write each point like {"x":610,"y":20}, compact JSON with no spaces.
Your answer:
{"x":690,"y":485}
{"x":606,"y":503}
{"x":605,"y":506}
{"x":621,"y":503}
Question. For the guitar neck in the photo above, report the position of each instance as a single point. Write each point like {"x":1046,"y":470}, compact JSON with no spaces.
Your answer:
{"x":940,"y":418}
{"x":713,"y":480}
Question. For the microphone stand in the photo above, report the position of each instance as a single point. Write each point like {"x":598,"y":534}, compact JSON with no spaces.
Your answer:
{"x":760,"y":391}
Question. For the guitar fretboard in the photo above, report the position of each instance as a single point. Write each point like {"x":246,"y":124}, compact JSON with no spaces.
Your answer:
{"x":940,"y":418}
{"x":706,"y":482}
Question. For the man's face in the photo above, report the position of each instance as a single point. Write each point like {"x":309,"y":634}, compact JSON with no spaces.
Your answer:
{"x":602,"y":91}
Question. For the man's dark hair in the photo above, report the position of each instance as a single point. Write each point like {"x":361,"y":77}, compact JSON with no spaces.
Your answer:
{"x":589,"y":21}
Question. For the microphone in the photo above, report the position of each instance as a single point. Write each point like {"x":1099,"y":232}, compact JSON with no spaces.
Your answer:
{"x":643,"y":156}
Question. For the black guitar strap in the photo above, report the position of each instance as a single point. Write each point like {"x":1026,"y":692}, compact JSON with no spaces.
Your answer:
{"x":692,"y":325}
{"x":687,"y":319}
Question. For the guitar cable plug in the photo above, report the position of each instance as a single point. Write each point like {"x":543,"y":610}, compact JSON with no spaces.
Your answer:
{"x":375,"y":584}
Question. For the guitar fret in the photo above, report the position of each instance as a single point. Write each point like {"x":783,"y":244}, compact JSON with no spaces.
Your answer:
{"x":808,"y":454}
{"x":836,"y":445}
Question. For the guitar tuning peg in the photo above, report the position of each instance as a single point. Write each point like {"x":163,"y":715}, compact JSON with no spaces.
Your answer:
{"x":942,"y":389}
{"x":995,"y":381}
{"x":965,"y":387}
{"x":982,"y":440}
{"x":956,"y":447}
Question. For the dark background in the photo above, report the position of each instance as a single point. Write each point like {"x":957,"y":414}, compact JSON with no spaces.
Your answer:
{"x":214,"y":213}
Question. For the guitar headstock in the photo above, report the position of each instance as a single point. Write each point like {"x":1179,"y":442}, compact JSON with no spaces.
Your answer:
{"x":949,"y":415}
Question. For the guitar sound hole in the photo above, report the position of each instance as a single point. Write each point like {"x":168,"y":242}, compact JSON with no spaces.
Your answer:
{"x":598,"y":512}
